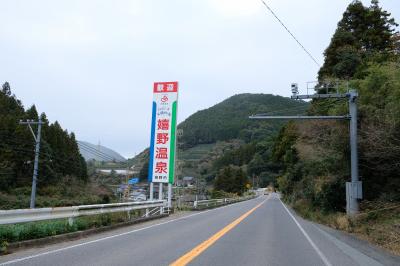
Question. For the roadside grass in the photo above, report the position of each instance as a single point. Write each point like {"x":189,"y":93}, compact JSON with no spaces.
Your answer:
{"x":378,"y":222}
{"x":66,"y":193}
{"x":35,"y":230}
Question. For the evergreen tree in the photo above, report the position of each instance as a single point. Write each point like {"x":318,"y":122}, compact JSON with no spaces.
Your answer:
{"x":362,"y":32}
{"x":144,"y":171}
{"x":239,"y":182}
{"x":223,"y":180}
{"x":231,"y":180}
{"x":59,"y":154}
{"x":6,"y":89}
{"x":364,"y":49}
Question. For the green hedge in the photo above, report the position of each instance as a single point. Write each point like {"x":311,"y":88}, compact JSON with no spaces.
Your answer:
{"x":26,"y":231}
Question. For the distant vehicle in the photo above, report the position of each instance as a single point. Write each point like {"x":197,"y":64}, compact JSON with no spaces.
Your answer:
{"x":138,"y":197}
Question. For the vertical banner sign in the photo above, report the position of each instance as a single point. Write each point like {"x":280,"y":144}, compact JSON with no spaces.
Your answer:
{"x":163,"y":132}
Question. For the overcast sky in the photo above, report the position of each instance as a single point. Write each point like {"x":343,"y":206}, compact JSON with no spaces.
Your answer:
{"x":90,"y":64}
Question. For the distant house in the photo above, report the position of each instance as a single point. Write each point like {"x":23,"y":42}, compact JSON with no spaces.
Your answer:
{"x":188,"y":181}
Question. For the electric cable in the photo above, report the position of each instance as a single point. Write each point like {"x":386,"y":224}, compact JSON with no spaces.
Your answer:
{"x":294,"y":37}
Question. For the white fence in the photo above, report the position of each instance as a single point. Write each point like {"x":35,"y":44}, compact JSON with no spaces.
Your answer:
{"x":150,"y":207}
{"x":39,"y":214}
{"x":218,"y":202}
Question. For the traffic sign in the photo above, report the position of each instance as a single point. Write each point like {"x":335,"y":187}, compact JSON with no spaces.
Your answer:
{"x":163,"y":132}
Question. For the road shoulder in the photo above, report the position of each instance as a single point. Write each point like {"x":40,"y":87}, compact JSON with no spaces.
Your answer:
{"x":359,"y":250}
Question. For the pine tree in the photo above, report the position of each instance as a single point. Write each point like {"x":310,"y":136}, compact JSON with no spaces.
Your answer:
{"x":239,"y":182}
{"x":59,"y":154}
{"x":362,"y":33}
{"x":223,"y":180}
{"x":6,"y":89}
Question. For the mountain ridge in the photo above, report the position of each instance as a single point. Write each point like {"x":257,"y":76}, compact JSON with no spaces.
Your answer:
{"x":229,"y":119}
{"x":227,"y":126}
{"x":91,"y":151}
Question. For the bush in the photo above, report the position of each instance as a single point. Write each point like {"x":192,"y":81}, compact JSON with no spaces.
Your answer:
{"x":25,"y":231}
{"x":219,"y":194}
{"x":3,"y":247}
{"x":332,"y":196}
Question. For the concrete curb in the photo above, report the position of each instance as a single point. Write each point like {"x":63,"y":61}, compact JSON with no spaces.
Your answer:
{"x":367,"y":248}
{"x":15,"y":246}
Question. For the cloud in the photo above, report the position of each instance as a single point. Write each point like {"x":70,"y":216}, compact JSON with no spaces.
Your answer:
{"x":236,"y":8}
{"x":91,"y":64}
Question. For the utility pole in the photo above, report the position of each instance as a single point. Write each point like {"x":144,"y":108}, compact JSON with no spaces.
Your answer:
{"x":353,"y":188}
{"x":37,"y":150}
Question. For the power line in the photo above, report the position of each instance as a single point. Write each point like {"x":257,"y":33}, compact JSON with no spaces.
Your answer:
{"x":294,"y":37}
{"x":98,"y":153}
{"x":49,"y":153}
{"x":93,"y":151}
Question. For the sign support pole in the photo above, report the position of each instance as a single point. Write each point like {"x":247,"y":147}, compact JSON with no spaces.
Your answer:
{"x":169,"y":195}
{"x":354,"y":192}
{"x":163,"y":140}
{"x":353,"y":188}
{"x":160,"y":195}
{"x":151,"y":190}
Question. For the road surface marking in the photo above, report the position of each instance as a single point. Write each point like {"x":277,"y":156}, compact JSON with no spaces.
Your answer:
{"x":356,"y":255}
{"x":188,"y":257}
{"x":110,"y":237}
{"x":320,"y":254}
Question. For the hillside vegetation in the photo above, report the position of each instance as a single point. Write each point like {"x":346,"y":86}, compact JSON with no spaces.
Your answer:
{"x":221,"y":143}
{"x":370,"y":62}
{"x":363,"y":53}
{"x":229,"y":119}
{"x":63,"y":178}
{"x":309,"y":162}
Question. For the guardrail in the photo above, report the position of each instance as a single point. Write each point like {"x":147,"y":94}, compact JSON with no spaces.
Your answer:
{"x":200,"y":204}
{"x":40,"y":214}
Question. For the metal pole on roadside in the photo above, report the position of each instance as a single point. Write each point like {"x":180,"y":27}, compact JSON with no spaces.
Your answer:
{"x":151,"y":190}
{"x":353,"y":188}
{"x":37,"y":152}
{"x":169,"y":195}
{"x":160,"y":195}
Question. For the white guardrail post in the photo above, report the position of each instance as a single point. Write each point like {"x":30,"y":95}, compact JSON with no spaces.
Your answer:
{"x":70,"y":213}
{"x":216,"y":202}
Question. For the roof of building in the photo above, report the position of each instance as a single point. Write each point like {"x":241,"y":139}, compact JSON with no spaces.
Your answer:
{"x":188,"y":178}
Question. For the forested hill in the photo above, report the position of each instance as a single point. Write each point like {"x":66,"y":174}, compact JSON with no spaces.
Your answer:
{"x":59,"y":154}
{"x":364,"y":53}
{"x":223,"y":135}
{"x":230,"y":119}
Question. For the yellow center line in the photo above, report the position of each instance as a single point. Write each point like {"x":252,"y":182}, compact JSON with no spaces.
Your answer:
{"x":188,"y":257}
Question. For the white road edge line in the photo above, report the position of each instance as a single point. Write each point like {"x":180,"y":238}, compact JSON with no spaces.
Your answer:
{"x":110,"y":237}
{"x":320,"y":254}
{"x":354,"y":254}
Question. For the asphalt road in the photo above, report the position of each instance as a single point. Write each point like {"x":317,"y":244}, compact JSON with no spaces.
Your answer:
{"x":256,"y":232}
